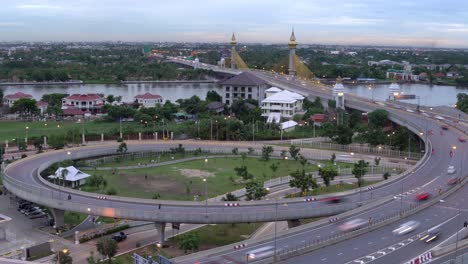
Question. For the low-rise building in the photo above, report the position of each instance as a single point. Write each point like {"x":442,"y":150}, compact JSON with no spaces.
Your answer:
{"x":148,"y":99}
{"x":10,"y":99}
{"x":243,"y":86}
{"x":285,"y":103}
{"x":72,"y":177}
{"x":91,"y":102}
{"x":216,"y":107}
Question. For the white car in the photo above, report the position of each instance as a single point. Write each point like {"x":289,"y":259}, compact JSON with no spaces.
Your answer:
{"x":451,"y":170}
{"x":439,"y":117}
{"x":406,"y":227}
{"x":352,"y":224}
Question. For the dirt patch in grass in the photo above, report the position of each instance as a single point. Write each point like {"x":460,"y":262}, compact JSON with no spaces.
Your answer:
{"x":151,"y":184}
{"x":193,"y":173}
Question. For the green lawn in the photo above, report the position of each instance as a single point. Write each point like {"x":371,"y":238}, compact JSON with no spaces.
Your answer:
{"x":157,"y":158}
{"x":211,"y":236}
{"x":10,"y":130}
{"x":72,"y":219}
{"x":183,"y":180}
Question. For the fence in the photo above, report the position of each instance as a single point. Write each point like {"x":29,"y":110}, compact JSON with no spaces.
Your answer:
{"x":358,"y":148}
{"x":461,"y":259}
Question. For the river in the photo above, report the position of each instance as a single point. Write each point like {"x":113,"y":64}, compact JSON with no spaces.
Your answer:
{"x":168,"y":91}
{"x":429,"y":95}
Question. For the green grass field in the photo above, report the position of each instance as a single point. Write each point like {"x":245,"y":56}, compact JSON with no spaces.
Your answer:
{"x":10,"y":130}
{"x":211,"y":236}
{"x":183,"y":180}
{"x":157,"y":158}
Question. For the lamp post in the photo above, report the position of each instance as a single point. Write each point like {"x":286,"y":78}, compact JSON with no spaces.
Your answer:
{"x":206,"y":194}
{"x":26,"y":138}
{"x":211,"y":129}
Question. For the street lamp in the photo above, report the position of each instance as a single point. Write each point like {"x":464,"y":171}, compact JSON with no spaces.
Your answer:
{"x":206,"y":195}
{"x":206,"y":162}
{"x":26,"y":138}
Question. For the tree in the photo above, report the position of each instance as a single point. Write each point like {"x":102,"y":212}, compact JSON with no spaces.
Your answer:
{"x":294,"y":151}
{"x":266,"y":152}
{"x":303,"y":161}
{"x":230,"y":197}
{"x":378,"y":118}
{"x":333,"y":158}
{"x":122,"y":148}
{"x":110,"y":98}
{"x":63,"y":257}
{"x":302,"y":181}
{"x":22,"y":146}
{"x":156,"y":196}
{"x":189,"y":241}
{"x":235,"y":151}
{"x":107,"y":247}
{"x":359,"y":170}
{"x":283,"y":154}
{"x":328,"y":174}
{"x":213,"y":96}
{"x":386,"y":175}
{"x":250,"y":151}
{"x":56,"y":141}
{"x":63,"y":175}
{"x":254,"y":190}
{"x":274,"y":167}
{"x":243,"y":172}
{"x":25,"y":106}
{"x":377,"y":161}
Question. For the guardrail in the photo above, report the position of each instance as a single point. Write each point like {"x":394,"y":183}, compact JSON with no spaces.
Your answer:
{"x":358,"y":149}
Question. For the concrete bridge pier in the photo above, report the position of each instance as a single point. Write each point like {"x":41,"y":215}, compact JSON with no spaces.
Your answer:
{"x":58,"y":216}
{"x":294,"y":223}
{"x":161,"y":227}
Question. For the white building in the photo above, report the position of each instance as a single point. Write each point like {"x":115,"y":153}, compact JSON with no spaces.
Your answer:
{"x":284,"y":103}
{"x":148,"y":99}
{"x":90,"y":102}
{"x":243,"y":86}
{"x":10,"y":99}
{"x":73,"y":177}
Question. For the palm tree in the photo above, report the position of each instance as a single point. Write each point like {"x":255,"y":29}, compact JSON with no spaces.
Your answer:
{"x":63,"y":175}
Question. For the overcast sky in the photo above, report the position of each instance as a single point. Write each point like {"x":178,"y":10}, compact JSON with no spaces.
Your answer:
{"x":434,"y":23}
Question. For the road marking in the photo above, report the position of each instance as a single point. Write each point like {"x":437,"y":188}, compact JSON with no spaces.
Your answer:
{"x":324,"y":259}
{"x":339,"y":254}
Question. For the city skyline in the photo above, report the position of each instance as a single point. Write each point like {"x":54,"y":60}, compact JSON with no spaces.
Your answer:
{"x":352,"y":22}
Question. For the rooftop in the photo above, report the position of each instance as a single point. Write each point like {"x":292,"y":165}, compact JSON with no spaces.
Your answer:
{"x":283,"y":97}
{"x":148,"y":96}
{"x":245,"y":78}
{"x":18,"y":95}
{"x":84,"y":97}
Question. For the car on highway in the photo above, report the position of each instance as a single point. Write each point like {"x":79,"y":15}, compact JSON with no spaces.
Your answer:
{"x":444,"y":127}
{"x":121,"y":236}
{"x":352,"y":224}
{"x":422,"y":196}
{"x":451,"y":170}
{"x":432,"y":234}
{"x":438,"y":117}
{"x":260,"y":253}
{"x":452,"y":180}
{"x":462,"y":139}
{"x":407,"y":227}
